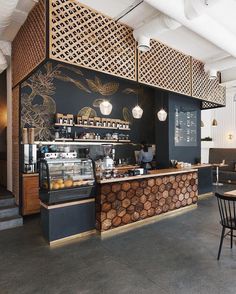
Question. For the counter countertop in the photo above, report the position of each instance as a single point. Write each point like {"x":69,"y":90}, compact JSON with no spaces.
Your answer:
{"x":151,"y":174}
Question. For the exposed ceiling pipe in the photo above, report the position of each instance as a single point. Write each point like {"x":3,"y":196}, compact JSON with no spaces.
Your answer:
{"x":215,"y":32}
{"x":6,"y":12}
{"x":156,"y":27}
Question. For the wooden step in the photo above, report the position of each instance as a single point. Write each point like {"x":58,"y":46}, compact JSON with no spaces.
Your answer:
{"x":7,"y":211}
{"x":10,"y":222}
{"x":7,"y":201}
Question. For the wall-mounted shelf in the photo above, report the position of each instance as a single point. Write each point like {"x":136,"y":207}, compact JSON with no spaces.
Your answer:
{"x":95,"y":142}
{"x":102,"y":140}
{"x":91,"y":126}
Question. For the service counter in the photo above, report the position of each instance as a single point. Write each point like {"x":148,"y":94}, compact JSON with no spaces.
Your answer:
{"x":123,"y":201}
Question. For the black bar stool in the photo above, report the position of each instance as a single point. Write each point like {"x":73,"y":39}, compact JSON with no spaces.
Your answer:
{"x":227,"y":208}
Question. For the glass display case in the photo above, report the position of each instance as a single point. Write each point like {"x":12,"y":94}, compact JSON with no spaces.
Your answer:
{"x":66,"y":179}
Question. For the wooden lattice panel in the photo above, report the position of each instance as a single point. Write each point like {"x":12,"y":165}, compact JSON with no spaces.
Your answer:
{"x":29,"y":45}
{"x":204,"y":88}
{"x":126,"y":202}
{"x":165,"y":68}
{"x":86,"y":38}
{"x":15,"y":142}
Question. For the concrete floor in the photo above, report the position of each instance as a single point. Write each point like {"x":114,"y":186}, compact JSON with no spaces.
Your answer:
{"x":175,"y":255}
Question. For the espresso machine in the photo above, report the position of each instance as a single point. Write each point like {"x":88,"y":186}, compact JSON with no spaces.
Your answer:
{"x":109,"y":156}
{"x":29,"y":158}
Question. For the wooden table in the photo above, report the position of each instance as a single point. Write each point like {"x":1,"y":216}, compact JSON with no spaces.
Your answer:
{"x":230,"y":193}
{"x":217,"y":166}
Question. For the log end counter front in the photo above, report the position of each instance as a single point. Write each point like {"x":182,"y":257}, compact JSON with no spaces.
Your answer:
{"x":127,"y":200}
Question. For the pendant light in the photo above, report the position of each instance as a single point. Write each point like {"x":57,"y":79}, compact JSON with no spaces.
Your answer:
{"x":137,"y":111}
{"x":162,"y":114}
{"x":105,"y":107}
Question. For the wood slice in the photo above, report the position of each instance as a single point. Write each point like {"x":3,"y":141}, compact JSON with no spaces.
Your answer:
{"x":192,"y":182}
{"x":154,"y":204}
{"x":111,"y":197}
{"x":159,"y":195}
{"x":147,"y":205}
{"x":116,"y":204}
{"x":103,"y":216}
{"x":175,"y":198}
{"x":143,"y":184}
{"x":168,"y":186}
{"x":106,"y":206}
{"x":151,"y":211}
{"x":192,"y":194}
{"x":165,"y":194}
{"x":130,"y":193}
{"x":125,"y":203}
{"x":159,"y":210}
{"x":158,"y":181}
{"x":172,"y":192}
{"x":135,"y":216}
{"x":139,"y":192}
{"x":134,"y":185}
{"x":151,"y":197}
{"x":165,"y":180}
{"x":181,"y":184}
{"x":178,"y":178}
{"x":189,"y":176}
{"x":189,"y":201}
{"x":135,"y":200}
{"x":162,"y":187}
{"x":195,"y":198}
{"x":143,"y":214}
{"x":154,"y":189}
{"x":165,"y":208}
{"x":116,"y":221}
{"x":178,"y":204}
{"x":162,"y":201}
{"x":184,"y":190}
{"x":121,"y":195}
{"x":189,"y":189}
{"x":121,"y":211}
{"x":172,"y":179}
{"x":130,"y":209}
{"x":181,"y":197}
{"x":106,"y":224}
{"x":184,"y":177}
{"x":143,"y":199}
{"x":172,"y":205}
{"x":151,"y":182}
{"x":126,"y":186}
{"x":126,"y":218}
{"x":195,"y":175}
{"x":116,"y":187}
{"x":175,"y":185}
{"x":186,"y":183}
{"x":111,"y":214}
{"x":147,"y":190}
{"x":168,"y":200}
{"x":186,"y":195}
{"x":106,"y":188}
{"x":195,"y":188}
{"x":177,"y":191}
{"x":103,"y":198}
{"x":139,"y":207}
{"x":184,"y":202}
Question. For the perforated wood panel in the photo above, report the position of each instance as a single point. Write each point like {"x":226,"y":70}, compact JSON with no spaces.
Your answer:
{"x":15,"y":142}
{"x":166,"y":68}
{"x":29,"y":45}
{"x":205,"y":89}
{"x":86,"y":38}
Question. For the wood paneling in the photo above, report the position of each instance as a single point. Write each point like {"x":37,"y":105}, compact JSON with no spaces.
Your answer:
{"x":30,"y":192}
{"x":204,"y":88}
{"x":81,"y":36}
{"x":165,"y":68}
{"x":126,"y":202}
{"x":29,"y":45}
{"x":15,"y":142}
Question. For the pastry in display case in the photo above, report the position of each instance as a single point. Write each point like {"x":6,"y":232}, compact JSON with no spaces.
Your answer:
{"x":64,"y":177}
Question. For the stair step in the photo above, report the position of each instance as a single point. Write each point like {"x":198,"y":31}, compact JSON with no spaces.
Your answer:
{"x":8,"y":211}
{"x":7,"y":201}
{"x":10,"y":222}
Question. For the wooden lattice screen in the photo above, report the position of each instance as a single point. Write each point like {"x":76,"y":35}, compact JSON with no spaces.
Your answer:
{"x":15,"y":141}
{"x":165,"y":68}
{"x":204,"y":88}
{"x":29,"y":45}
{"x":81,"y":36}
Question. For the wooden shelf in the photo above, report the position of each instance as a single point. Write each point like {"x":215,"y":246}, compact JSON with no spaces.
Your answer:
{"x":91,"y":127}
{"x":84,"y":142}
{"x":102,"y":140}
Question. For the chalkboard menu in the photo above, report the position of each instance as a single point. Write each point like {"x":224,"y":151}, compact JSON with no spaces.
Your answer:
{"x":185,"y":127}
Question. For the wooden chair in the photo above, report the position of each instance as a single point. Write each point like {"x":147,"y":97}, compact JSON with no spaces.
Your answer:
{"x":227,"y":208}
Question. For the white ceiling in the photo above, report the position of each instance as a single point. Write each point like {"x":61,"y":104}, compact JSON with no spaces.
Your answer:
{"x":182,"y":39}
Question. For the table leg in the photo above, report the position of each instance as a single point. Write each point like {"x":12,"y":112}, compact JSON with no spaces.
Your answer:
{"x":217,"y":183}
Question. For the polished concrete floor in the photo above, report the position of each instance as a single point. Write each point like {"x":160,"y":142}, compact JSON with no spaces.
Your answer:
{"x":176,"y":255}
